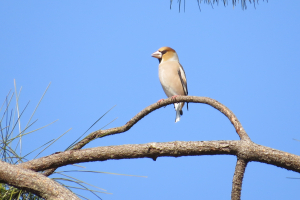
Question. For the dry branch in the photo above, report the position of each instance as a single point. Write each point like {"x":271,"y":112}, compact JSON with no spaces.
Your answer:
{"x":193,"y":99}
{"x":33,"y":182}
{"x":245,"y":150}
{"x":238,"y":178}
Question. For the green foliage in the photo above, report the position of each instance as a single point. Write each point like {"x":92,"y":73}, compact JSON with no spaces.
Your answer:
{"x":11,"y":142}
{"x":11,"y":134}
{"x":11,"y":193}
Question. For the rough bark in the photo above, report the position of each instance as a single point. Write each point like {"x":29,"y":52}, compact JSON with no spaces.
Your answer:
{"x":193,"y":99}
{"x":33,"y":182}
{"x":238,"y":178}
{"x":244,"y":149}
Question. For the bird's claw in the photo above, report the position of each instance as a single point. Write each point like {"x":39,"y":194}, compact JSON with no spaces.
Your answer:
{"x":159,"y":101}
{"x":173,"y":97}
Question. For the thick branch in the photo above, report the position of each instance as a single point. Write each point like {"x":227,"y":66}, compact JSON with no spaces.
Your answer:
{"x":246,"y":150}
{"x":194,"y":99}
{"x":149,"y":150}
{"x":238,"y":179}
{"x":33,"y":182}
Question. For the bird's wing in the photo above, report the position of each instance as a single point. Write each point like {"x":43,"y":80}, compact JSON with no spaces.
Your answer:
{"x":182,"y":77}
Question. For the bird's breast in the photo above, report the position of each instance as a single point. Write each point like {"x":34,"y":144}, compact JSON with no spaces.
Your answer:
{"x":169,"y":78}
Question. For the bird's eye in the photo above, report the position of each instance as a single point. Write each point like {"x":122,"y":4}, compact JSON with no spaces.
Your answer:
{"x":163,"y":52}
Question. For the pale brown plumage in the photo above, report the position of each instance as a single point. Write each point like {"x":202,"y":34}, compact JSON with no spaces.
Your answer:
{"x":172,"y":76}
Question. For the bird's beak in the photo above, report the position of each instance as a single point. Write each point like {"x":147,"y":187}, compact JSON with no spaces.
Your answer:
{"x":156,"y":54}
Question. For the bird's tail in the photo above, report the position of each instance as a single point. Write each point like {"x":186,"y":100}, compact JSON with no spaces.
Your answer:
{"x":178,"y":108}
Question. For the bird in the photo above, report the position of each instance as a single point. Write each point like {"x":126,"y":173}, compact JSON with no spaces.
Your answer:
{"x":172,"y":76}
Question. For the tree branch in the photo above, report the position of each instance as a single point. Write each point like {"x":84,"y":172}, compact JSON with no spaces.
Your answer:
{"x":33,"y":182}
{"x":238,"y":179}
{"x":193,"y":99}
{"x":245,"y":150}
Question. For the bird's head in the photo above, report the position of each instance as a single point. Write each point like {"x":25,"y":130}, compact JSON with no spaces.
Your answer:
{"x":165,"y":54}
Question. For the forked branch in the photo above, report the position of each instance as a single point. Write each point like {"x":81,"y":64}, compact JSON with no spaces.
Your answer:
{"x":193,"y":99}
{"x":245,"y":150}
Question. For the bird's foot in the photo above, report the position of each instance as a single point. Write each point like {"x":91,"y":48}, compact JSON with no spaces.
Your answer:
{"x":159,"y":101}
{"x":173,"y":97}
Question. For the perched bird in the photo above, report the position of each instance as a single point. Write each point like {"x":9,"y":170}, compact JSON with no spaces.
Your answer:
{"x":172,"y":76}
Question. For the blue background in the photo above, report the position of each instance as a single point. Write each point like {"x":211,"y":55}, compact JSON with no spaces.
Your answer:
{"x":97,"y":54}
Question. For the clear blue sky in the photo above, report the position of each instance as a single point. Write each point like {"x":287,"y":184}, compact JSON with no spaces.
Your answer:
{"x":97,"y":55}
